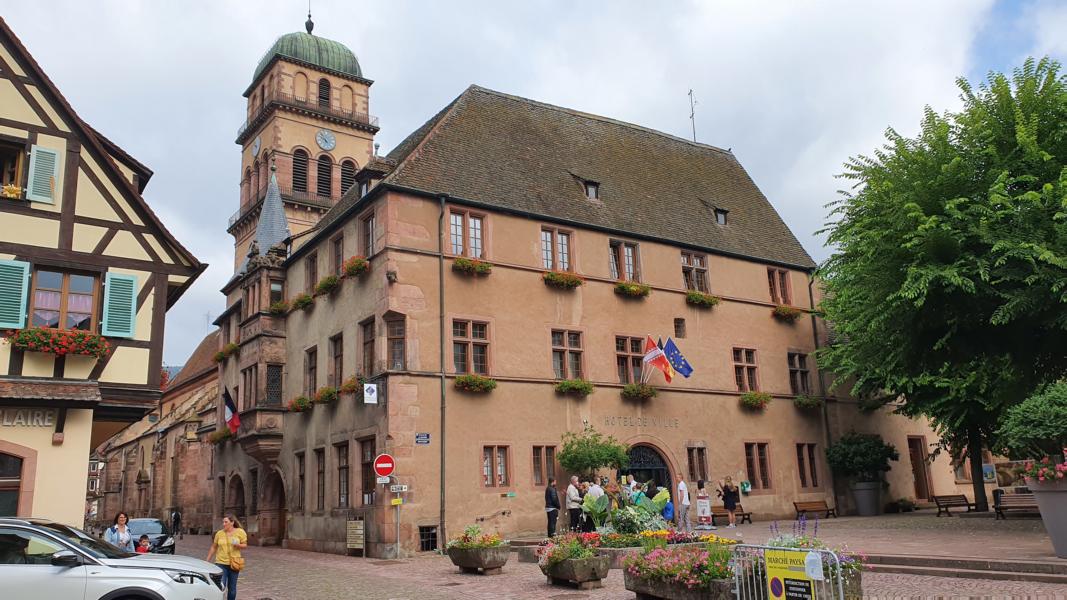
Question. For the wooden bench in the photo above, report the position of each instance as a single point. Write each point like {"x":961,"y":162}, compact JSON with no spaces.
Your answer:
{"x":739,"y":512}
{"x":944,"y":503}
{"x":815,"y":506}
{"x":1021,"y":502}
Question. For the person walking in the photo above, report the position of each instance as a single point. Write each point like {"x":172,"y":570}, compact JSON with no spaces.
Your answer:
{"x":730,"y":497}
{"x":176,"y":522}
{"x":552,"y":505}
{"x":226,"y":549}
{"x":574,"y":504}
{"x":682,"y":506}
{"x":118,"y":535}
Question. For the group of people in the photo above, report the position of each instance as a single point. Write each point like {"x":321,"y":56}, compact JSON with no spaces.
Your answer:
{"x":675,"y":510}
{"x":225,"y":548}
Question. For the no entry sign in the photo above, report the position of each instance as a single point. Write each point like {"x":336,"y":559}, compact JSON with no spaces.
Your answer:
{"x":384,"y":465}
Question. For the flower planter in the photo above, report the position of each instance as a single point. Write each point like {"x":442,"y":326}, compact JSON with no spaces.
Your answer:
{"x":1051,"y":499}
{"x":646,"y":589}
{"x":618,"y":556}
{"x":854,"y":586}
{"x":480,"y":561}
{"x":868,"y":497}
{"x":582,"y":573}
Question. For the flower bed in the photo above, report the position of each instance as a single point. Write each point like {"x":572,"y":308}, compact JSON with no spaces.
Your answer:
{"x":299,"y":404}
{"x":303,"y":301}
{"x":639,"y":392}
{"x":327,"y":285}
{"x":60,"y":342}
{"x":632,"y":289}
{"x":355,"y":266}
{"x":681,"y":573}
{"x":755,"y":401}
{"x":562,"y":279}
{"x":475,"y":384}
{"x":700,"y":299}
{"x":477,"y":552}
{"x":471,"y":266}
{"x":786,"y":314}
{"x":574,"y":387}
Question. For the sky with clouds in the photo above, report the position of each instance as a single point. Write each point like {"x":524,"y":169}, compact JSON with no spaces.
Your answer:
{"x":793,"y":88}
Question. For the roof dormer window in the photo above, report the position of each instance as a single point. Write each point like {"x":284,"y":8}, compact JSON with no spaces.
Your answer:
{"x":720,"y":216}
{"x":592,"y":190}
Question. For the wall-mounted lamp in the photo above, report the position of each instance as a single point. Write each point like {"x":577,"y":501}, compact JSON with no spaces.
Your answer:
{"x":391,"y":276}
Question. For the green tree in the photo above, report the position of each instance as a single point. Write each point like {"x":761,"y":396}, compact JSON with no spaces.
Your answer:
{"x":947,"y":289}
{"x":1036,"y":427}
{"x":583,"y":453}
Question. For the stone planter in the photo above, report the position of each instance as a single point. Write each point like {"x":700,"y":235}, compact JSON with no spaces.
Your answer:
{"x":1051,"y":499}
{"x":720,"y":589}
{"x":483,"y":561}
{"x":854,"y":587}
{"x":618,"y":556}
{"x":582,"y":573}
{"x":868,"y":497}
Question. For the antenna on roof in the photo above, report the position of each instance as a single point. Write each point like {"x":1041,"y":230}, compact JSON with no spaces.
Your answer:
{"x":693,"y":114}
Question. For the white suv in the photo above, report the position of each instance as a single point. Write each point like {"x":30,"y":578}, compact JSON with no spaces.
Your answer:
{"x":41,"y":559}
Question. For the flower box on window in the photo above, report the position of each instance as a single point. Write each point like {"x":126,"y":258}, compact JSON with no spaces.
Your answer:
{"x":326,"y":395}
{"x":639,"y":392}
{"x":60,"y":342}
{"x":227,"y":351}
{"x":471,"y":266}
{"x":786,"y":314}
{"x":279,"y":308}
{"x":632,"y":289}
{"x":299,"y":404}
{"x":563,"y":280}
{"x":804,"y":402}
{"x":355,"y":266}
{"x":327,"y":285}
{"x":219,"y":436}
{"x":756,"y":401}
{"x":700,"y":299}
{"x":574,"y":387}
{"x":475,"y":383}
{"x":303,"y":302}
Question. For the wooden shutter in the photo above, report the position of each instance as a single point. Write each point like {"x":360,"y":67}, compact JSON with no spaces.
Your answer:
{"x":14,"y":290}
{"x":44,"y":174}
{"x":120,"y":305}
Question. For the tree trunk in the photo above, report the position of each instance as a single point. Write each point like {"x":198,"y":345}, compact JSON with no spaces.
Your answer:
{"x":974,"y":453}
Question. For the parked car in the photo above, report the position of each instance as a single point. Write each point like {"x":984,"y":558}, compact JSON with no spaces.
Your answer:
{"x":44,"y":559}
{"x":158,"y":534}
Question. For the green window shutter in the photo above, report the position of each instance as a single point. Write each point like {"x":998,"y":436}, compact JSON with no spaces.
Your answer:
{"x":44,"y":174}
{"x":120,"y":305}
{"x":14,"y":291}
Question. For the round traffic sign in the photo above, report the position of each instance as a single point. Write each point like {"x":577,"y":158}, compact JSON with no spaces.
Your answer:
{"x":384,"y":465}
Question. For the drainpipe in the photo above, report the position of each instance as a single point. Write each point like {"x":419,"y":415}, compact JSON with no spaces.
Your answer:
{"x":822,"y":383}
{"x":441,"y":537}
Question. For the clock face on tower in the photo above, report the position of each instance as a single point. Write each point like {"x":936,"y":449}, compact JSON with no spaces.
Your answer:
{"x":255,"y":146}
{"x":325,"y":139}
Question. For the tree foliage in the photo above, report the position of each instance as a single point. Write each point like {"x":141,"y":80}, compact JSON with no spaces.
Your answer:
{"x":861,"y":456}
{"x":948,"y":286}
{"x":585,"y":452}
{"x":1037,"y":427}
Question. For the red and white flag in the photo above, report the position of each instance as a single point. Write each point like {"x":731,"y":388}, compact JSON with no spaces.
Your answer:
{"x":655,"y":357}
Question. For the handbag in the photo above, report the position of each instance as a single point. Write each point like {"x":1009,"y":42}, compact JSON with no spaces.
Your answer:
{"x":237,"y":563}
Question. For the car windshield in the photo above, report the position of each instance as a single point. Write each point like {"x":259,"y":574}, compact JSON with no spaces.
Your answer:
{"x":139,"y":527}
{"x":92,"y":546}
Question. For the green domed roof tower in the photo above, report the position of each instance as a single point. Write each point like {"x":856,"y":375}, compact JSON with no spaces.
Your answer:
{"x":313,"y":50}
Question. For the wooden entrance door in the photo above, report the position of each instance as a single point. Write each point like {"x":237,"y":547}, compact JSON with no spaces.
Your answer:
{"x":917,"y":453}
{"x":272,"y":515}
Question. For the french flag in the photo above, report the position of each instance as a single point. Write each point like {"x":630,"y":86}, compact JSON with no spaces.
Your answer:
{"x":233,"y":420}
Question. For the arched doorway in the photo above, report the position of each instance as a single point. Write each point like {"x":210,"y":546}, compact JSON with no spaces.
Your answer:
{"x":235,"y":498}
{"x":272,"y":511}
{"x":646,"y":463}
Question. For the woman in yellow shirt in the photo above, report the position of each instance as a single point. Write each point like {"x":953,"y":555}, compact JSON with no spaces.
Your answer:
{"x":226,"y":548}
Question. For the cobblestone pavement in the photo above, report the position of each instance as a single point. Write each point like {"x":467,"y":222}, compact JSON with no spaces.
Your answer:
{"x":280,"y":574}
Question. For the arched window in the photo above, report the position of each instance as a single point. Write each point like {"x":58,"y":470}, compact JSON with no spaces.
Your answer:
{"x":348,"y":176}
{"x":324,"y":92}
{"x":346,"y":98}
{"x":10,"y":484}
{"x":300,"y":86}
{"x":300,"y":171}
{"x":323,"y":185}
{"x":246,"y":186}
{"x":255,"y":183}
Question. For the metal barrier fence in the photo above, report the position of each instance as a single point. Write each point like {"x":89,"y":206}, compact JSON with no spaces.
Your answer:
{"x":774,"y":573}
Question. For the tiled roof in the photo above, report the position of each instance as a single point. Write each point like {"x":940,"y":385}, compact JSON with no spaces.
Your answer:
{"x":19,"y":388}
{"x":201,"y":361}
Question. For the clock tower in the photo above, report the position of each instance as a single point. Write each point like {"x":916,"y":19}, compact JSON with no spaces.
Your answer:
{"x":309,"y":116}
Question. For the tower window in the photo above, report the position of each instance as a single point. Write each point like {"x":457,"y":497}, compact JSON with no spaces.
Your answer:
{"x":348,"y":176}
{"x":324,"y":92}
{"x":720,"y":216}
{"x":323,"y":185}
{"x":300,"y":171}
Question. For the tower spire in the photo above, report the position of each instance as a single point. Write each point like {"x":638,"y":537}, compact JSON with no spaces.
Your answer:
{"x":309,"y":24}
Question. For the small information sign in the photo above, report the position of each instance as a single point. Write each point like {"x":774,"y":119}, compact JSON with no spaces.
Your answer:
{"x":354,"y":535}
{"x":397,"y":488}
{"x":396,"y":501}
{"x":370,"y":393}
{"x":383,"y":480}
{"x":422,"y":439}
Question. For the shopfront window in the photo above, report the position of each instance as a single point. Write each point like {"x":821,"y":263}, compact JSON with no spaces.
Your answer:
{"x":10,"y":484}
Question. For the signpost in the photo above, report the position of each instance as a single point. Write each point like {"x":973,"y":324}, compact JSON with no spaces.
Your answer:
{"x":787,"y":576}
{"x":397,"y":488}
{"x":384,"y":465}
{"x":354,"y":539}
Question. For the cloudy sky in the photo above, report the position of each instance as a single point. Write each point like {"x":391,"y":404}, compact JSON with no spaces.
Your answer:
{"x":793,"y":88}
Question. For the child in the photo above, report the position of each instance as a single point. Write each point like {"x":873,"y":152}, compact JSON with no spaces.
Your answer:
{"x":143,"y":545}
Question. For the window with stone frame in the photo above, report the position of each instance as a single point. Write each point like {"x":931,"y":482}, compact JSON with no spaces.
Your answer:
{"x":695,"y":271}
{"x":544,"y":464}
{"x":253,"y":501}
{"x":798,"y":373}
{"x":300,"y":170}
{"x":555,"y":249}
{"x":337,"y":360}
{"x":745,"y":370}
{"x":629,"y":358}
{"x":337,"y":254}
{"x":311,"y":272}
{"x":806,"y":454}
{"x":301,"y":481}
{"x":348,"y":176}
{"x":368,"y":480}
{"x":311,"y":374}
{"x":366,"y":332}
{"x":778,"y":283}
{"x":698,"y":463}
{"x":624,"y":261}
{"x":342,"y":475}
{"x":395,"y":327}
{"x":324,"y":93}
{"x":757,"y":465}
{"x":368,"y":225}
{"x":274,"y":385}
{"x":320,"y":479}
{"x":567,"y":354}
{"x":495,"y":467}
{"x":277,"y":290}
{"x":466,"y":232}
{"x":250,"y":385}
{"x":470,"y":346}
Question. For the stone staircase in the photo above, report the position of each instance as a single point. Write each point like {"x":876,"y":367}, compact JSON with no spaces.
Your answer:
{"x":1046,"y":571}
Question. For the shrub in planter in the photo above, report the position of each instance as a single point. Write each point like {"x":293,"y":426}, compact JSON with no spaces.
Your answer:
{"x":572,"y":558}
{"x":327,"y":285}
{"x":477,"y":552}
{"x":562,"y":279}
{"x":786,"y":314}
{"x":756,"y":401}
{"x":471,"y":266}
{"x":700,"y":299}
{"x":632,"y":289}
{"x":575,"y":387}
{"x":60,"y":342}
{"x":219,"y":435}
{"x":326,"y":395}
{"x":302,"y":301}
{"x":279,"y":308}
{"x":227,"y":351}
{"x":299,"y":404}
{"x":639,"y":391}
{"x":862,"y":459}
{"x":808,"y":402}
{"x":355,"y":266}
{"x":681,"y":573}
{"x":352,"y":385}
{"x":475,"y":383}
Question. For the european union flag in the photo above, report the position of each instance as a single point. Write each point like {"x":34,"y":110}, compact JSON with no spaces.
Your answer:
{"x":674,"y":356}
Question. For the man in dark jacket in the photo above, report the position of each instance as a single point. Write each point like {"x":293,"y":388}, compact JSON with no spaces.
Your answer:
{"x":552,"y":505}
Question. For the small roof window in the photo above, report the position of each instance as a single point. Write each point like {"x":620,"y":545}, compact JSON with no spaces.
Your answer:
{"x":592,"y":190}
{"x":720,"y":216}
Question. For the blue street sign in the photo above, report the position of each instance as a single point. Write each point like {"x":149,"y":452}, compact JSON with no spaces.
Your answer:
{"x":422,"y":439}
